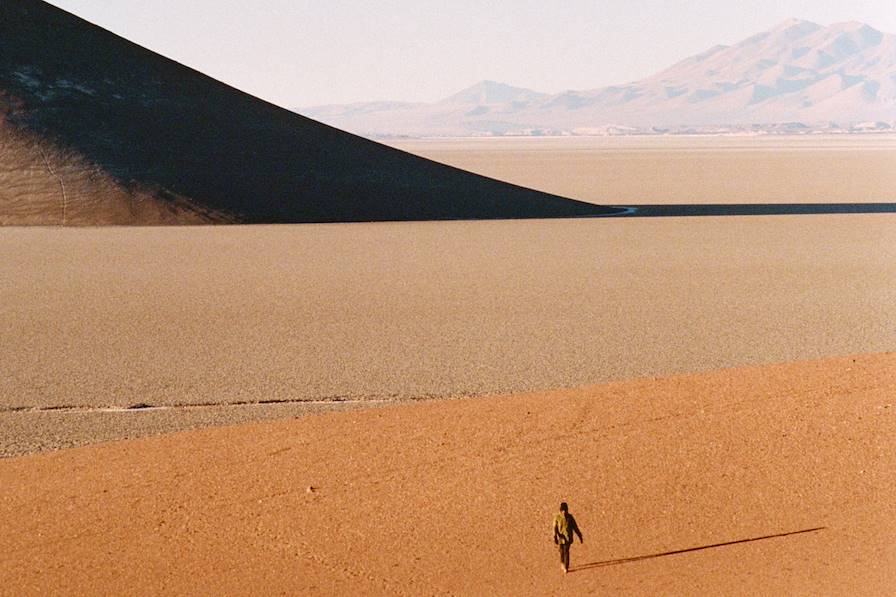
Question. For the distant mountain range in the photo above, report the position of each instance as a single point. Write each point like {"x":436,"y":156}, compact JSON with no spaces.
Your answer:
{"x":797,"y":76}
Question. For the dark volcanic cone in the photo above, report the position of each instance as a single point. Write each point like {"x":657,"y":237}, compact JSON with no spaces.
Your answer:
{"x":97,"y":130}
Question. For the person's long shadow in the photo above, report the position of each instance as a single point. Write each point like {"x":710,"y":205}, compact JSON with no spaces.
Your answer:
{"x":679,"y":551}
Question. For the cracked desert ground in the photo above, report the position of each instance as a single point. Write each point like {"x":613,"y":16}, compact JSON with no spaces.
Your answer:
{"x":714,"y":396}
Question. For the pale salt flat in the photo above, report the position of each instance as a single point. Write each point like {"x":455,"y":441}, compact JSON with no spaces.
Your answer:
{"x":683,"y":169}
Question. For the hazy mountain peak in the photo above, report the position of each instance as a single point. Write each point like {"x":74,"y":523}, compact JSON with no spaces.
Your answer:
{"x":859,"y":33}
{"x":851,"y":26}
{"x":492,"y":92}
{"x":785,"y":32}
{"x":798,"y":23}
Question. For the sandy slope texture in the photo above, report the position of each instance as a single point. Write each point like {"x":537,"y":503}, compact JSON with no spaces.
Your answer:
{"x":765,"y":481}
{"x":645,"y":170}
{"x":97,"y":318}
{"x":43,"y":184}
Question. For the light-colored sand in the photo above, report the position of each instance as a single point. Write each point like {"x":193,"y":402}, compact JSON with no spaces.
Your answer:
{"x":456,"y":497}
{"x":639,"y":170}
{"x":122,"y":316}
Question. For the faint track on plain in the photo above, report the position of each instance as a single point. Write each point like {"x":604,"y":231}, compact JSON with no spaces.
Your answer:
{"x":74,"y":408}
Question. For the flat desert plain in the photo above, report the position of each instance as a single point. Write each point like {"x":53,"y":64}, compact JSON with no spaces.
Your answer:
{"x":601,"y":351}
{"x":683,"y":169}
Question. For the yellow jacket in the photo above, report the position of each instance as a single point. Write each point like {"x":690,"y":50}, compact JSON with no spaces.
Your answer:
{"x":565,"y":528}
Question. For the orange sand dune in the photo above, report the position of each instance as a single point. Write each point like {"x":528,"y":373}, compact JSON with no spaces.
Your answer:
{"x":783,"y":474}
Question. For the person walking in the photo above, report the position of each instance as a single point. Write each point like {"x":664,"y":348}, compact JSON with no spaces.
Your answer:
{"x":565,"y":529}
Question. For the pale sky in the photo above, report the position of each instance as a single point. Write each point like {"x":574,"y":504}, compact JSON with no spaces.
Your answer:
{"x":299,"y":53}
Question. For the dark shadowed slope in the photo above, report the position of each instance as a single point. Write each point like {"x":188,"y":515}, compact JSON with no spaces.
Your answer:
{"x":95,"y":129}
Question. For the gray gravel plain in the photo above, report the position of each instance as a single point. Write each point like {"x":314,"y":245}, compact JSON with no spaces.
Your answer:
{"x":94,"y":318}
